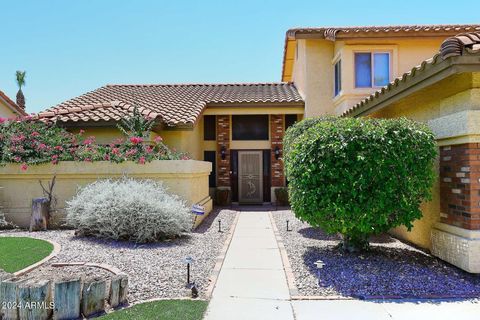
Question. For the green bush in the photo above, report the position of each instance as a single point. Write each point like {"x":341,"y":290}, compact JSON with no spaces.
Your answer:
{"x":359,"y":177}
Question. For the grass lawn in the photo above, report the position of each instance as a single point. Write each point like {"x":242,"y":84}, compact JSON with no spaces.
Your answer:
{"x":17,"y":253}
{"x":163,"y":309}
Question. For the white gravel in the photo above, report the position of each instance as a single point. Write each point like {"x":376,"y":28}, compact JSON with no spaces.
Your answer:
{"x":154,"y":270}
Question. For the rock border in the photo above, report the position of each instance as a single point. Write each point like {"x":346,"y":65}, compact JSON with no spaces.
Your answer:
{"x":103,"y":266}
{"x":56,"y":250}
{"x":221,"y":258}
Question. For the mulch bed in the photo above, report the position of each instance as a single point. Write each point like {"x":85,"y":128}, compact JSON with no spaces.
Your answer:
{"x":390,"y":270}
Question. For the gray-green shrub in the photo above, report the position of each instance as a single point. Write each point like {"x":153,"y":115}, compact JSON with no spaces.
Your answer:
{"x":128,"y":209}
{"x":359,"y":176}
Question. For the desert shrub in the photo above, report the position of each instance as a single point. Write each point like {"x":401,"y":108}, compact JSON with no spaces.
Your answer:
{"x":360,"y":177}
{"x":128,"y":209}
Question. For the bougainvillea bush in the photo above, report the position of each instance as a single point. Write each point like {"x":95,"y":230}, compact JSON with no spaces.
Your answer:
{"x":128,"y":209}
{"x":28,"y":142}
{"x":359,"y":177}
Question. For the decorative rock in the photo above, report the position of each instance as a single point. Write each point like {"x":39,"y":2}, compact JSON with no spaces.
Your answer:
{"x":67,"y":299}
{"x":35,"y":300}
{"x":93,"y":297}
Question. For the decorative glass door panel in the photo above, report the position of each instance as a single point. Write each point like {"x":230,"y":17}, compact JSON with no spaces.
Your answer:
{"x":250,"y":177}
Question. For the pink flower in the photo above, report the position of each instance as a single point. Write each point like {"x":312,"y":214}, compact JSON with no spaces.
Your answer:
{"x":141,"y":160}
{"x":17,"y":159}
{"x":88,"y":160}
{"x":89,"y":140}
{"x":35,"y":134}
{"x":42,"y":146}
{"x":158,"y":139}
{"x":59,"y":148}
{"x":81,"y":131}
{"x":131,"y":152}
{"x":115,"y":151}
{"x":149,"y":149}
{"x":2,"y":120}
{"x":136,"y":140}
{"x":106,"y":157}
{"x":185,"y":158}
{"x":24,"y":167}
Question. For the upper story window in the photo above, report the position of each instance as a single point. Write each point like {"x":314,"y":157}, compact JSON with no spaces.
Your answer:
{"x":250,"y":127}
{"x":372,"y":69}
{"x":209,"y":128}
{"x":337,"y":86}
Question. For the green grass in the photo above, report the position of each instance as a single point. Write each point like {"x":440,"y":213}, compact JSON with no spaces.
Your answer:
{"x":163,"y":309}
{"x":17,"y":253}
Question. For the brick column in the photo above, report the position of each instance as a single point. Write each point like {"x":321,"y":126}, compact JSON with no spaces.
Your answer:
{"x":460,"y":185}
{"x":276,"y":137}
{"x":223,"y":139}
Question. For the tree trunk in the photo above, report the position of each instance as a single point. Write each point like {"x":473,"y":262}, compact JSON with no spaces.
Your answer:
{"x":93,"y":297}
{"x":67,"y":299}
{"x":118,"y":290}
{"x":40,"y":213}
{"x":9,"y":298}
{"x":35,"y":299}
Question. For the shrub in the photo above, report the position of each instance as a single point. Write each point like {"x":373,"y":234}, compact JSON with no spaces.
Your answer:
{"x":360,"y":177}
{"x":128,"y":209}
{"x":29,"y":142}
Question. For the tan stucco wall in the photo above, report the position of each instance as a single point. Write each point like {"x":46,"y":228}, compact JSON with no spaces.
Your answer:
{"x":186,"y":178}
{"x":452,"y":110}
{"x":5,"y":111}
{"x":314,"y":61}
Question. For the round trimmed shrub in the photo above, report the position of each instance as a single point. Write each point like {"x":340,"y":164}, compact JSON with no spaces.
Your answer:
{"x":359,"y":176}
{"x":128,"y":209}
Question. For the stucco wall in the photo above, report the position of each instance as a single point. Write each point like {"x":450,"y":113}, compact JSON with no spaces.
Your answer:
{"x":451,"y":109}
{"x":186,"y":178}
{"x":315,"y":58}
{"x":5,"y":112}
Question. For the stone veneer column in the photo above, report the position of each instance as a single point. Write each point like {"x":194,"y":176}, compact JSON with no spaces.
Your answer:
{"x":456,"y":238}
{"x":223,"y":139}
{"x":276,"y":138}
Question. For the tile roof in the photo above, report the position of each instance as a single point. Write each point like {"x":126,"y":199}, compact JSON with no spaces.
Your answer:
{"x":331,"y":33}
{"x":174,"y":104}
{"x":12,"y":104}
{"x":462,"y":44}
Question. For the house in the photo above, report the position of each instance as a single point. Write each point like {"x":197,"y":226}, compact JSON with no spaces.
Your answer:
{"x":444,"y":92}
{"x":335,"y":67}
{"x":8,"y":108}
{"x":237,"y":127}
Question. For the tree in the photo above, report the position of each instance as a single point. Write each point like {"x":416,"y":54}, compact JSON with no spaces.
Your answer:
{"x":358,"y":176}
{"x":20,"y":77}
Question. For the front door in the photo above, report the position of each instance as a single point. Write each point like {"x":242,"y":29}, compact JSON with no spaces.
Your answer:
{"x":250,"y":183}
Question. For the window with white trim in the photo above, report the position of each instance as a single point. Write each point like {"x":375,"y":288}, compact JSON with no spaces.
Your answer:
{"x":372,"y":69}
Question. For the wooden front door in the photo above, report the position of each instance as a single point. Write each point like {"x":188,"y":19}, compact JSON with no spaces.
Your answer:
{"x":250,"y":177}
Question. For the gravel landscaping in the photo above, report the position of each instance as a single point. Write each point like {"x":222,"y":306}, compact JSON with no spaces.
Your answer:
{"x":390,"y":269}
{"x":155,"y":270}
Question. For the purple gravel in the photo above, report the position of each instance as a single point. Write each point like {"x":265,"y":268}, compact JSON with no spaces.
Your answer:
{"x":390,"y":269}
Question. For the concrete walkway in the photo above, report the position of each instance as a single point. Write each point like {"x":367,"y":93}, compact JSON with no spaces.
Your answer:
{"x":252,"y":282}
{"x":252,"y":285}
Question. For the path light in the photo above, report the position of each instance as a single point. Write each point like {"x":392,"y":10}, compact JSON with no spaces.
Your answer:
{"x":188,"y":261}
{"x":288,"y":229}
{"x":219,"y":225}
{"x":319,"y":263}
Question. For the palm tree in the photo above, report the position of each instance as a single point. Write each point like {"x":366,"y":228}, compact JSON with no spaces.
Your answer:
{"x":20,"y":82}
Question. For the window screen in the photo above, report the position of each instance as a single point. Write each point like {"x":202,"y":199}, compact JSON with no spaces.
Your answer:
{"x":250,"y":127}
{"x":209,"y":128}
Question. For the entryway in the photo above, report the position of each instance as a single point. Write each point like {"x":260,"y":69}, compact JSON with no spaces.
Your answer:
{"x":250,"y":176}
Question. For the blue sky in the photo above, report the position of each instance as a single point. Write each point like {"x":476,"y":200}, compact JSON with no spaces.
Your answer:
{"x":71,"y":47}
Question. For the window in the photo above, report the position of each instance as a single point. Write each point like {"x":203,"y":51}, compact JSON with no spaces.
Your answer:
{"x":250,"y":127}
{"x":210,"y":156}
{"x":338,"y":77}
{"x":209,"y":130}
{"x":290,"y":120}
{"x":372,"y":69}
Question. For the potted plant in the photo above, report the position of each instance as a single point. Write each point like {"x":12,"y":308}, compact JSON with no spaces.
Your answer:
{"x":281,"y":194}
{"x":223,"y":196}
